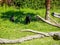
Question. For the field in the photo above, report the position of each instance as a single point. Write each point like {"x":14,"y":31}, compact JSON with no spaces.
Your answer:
{"x":11,"y":30}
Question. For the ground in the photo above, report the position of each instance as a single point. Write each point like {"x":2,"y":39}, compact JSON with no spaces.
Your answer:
{"x":11,"y":30}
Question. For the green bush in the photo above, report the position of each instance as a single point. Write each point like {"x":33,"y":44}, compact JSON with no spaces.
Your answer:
{"x":36,"y":4}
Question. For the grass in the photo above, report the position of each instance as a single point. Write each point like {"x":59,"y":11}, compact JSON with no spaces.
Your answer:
{"x":11,"y":30}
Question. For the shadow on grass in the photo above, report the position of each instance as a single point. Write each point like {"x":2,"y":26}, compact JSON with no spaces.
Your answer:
{"x":18,"y":16}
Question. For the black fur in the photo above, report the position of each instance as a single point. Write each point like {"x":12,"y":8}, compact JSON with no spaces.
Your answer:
{"x":12,"y":18}
{"x":28,"y":19}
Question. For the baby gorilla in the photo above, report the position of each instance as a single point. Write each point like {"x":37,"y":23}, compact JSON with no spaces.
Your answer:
{"x":12,"y":18}
{"x":28,"y":19}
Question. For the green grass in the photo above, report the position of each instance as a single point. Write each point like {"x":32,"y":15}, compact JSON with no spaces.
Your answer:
{"x":11,"y":30}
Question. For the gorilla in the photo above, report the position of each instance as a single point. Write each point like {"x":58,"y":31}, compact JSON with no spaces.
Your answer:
{"x":12,"y":18}
{"x":28,"y":19}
